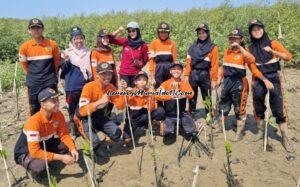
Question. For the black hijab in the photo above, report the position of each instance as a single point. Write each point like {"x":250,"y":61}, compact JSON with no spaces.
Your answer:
{"x":256,"y":48}
{"x":200,"y":48}
{"x":136,"y":42}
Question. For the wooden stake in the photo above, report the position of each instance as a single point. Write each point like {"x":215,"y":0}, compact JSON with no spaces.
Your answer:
{"x":91,"y":146}
{"x":177,"y":122}
{"x":196,"y":172}
{"x":267,"y":120}
{"x":15,"y":76}
{"x":5,"y":166}
{"x":47,"y":167}
{"x":223,"y":125}
{"x":129,"y":121}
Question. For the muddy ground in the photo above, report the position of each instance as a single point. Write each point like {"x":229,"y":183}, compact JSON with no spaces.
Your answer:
{"x":251,"y":165}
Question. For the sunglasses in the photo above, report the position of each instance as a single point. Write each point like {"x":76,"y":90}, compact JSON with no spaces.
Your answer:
{"x":131,"y":30}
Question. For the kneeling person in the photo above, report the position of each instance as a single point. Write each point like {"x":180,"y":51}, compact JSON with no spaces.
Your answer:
{"x":94,"y":101}
{"x":46,"y":125}
{"x":170,"y":104}
{"x":139,"y":105}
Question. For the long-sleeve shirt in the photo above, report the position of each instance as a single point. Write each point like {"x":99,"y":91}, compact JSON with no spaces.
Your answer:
{"x":100,"y":57}
{"x":40,"y":62}
{"x":129,"y":54}
{"x":160,"y":52}
{"x":39,"y":128}
{"x":234,"y":64}
{"x":137,"y":102}
{"x":92,"y":92}
{"x":212,"y":57}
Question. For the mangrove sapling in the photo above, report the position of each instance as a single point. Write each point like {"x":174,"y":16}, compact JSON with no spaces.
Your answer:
{"x":91,"y":150}
{"x":4,"y":157}
{"x":51,"y":179}
{"x":227,"y":167}
{"x":88,"y":153}
{"x":207,"y":104}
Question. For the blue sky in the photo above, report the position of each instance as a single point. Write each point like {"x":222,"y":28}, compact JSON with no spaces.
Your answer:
{"x":26,"y":9}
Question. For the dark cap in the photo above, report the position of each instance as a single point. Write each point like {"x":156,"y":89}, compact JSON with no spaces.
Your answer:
{"x":236,"y":33}
{"x":254,"y":22}
{"x":102,"y":33}
{"x":103,"y":67}
{"x":176,"y":64}
{"x":141,"y":73}
{"x":202,"y":26}
{"x":75,"y":31}
{"x":35,"y":23}
{"x":163,"y":27}
{"x":48,"y":93}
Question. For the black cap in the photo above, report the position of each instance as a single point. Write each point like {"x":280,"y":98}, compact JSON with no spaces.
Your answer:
{"x":141,"y":73}
{"x":35,"y":23}
{"x":254,"y":22}
{"x":103,"y":67}
{"x":163,"y":27}
{"x":102,"y":33}
{"x":236,"y":33}
{"x":202,"y":26}
{"x":176,"y":64}
{"x":75,"y":31}
{"x":48,"y":93}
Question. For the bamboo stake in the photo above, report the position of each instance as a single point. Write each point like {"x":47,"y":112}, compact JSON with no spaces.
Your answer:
{"x":267,"y":121}
{"x":223,"y":125}
{"x":196,"y":172}
{"x":91,"y":147}
{"x":177,"y":122}
{"x":15,"y":76}
{"x":47,"y":167}
{"x":129,"y":121}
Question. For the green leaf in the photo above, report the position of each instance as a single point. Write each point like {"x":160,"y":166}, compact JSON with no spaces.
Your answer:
{"x":228,"y":147}
{"x":208,"y":117}
{"x":3,"y":154}
{"x":86,"y":147}
{"x":207,"y":102}
{"x":154,"y":153}
{"x":53,"y":181}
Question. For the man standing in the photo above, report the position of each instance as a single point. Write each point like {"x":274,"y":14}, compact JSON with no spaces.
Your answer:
{"x":39,"y":58}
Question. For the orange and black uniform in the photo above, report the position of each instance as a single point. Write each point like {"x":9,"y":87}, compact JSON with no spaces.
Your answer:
{"x":202,"y":65}
{"x":40,"y":62}
{"x":29,"y":150}
{"x":269,"y":65}
{"x":92,"y":92}
{"x":235,"y":84}
{"x":162,"y":54}
{"x":100,"y":56}
{"x":138,"y":106}
{"x":170,"y":106}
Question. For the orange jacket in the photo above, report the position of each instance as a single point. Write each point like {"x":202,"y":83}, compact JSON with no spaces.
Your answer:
{"x":39,"y":128}
{"x":213,"y":57}
{"x":167,"y":86}
{"x":31,"y":51}
{"x":92,"y":92}
{"x":157,"y":48}
{"x":235,"y":62}
{"x":276,"y":46}
{"x":137,"y":102}
{"x":100,"y":57}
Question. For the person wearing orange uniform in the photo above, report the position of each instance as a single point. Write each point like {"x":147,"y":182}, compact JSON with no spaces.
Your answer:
{"x":182,"y":91}
{"x":40,"y":61}
{"x":202,"y":65}
{"x":93,"y":101}
{"x":162,"y":54}
{"x":46,"y":125}
{"x":268,"y":54}
{"x":104,"y":53}
{"x":235,"y":86}
{"x":139,"y":105}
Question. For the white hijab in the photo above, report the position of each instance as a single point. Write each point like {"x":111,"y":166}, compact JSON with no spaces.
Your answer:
{"x":80,"y":58}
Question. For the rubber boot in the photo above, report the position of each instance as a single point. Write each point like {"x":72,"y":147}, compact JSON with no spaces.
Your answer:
{"x":261,"y":131}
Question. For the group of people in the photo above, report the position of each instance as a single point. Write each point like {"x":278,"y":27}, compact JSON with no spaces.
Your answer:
{"x":91,"y":75}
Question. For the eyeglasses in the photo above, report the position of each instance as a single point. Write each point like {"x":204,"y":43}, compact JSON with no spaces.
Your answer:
{"x":131,"y":30}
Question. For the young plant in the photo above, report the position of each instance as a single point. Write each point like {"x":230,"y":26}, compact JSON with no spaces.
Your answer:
{"x":4,"y":157}
{"x":51,"y":179}
{"x":227,"y":167}
{"x":154,"y":154}
{"x":208,"y":105}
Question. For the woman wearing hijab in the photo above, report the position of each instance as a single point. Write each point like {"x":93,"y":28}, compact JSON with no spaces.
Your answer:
{"x":268,"y":54}
{"x":75,"y":70}
{"x":202,"y":65}
{"x":134,"y":53}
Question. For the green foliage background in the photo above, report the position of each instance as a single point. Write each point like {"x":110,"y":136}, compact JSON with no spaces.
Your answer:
{"x":220,"y":19}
